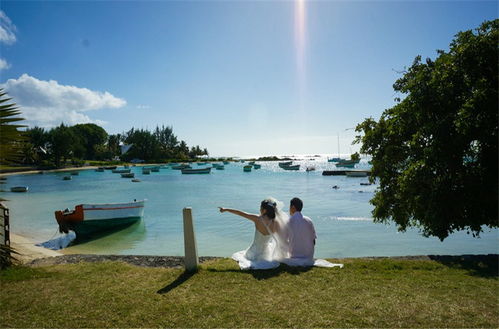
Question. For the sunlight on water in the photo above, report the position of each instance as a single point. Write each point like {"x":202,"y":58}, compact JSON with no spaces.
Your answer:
{"x":342,"y":216}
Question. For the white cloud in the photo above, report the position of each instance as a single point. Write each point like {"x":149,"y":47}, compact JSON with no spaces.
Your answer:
{"x":3,"y":64}
{"x":7,"y":29}
{"x":48,"y":103}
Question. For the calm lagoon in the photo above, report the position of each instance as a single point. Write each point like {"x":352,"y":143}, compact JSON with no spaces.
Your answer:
{"x":342,"y":217}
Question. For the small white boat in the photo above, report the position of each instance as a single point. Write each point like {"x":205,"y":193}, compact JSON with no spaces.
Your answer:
{"x":19,"y":189}
{"x":196,"y":171}
{"x":89,"y":218}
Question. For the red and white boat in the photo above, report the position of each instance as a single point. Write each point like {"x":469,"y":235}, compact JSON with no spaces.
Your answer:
{"x":91,"y":218}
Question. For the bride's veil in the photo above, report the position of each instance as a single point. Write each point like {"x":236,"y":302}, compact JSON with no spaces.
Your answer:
{"x":281,"y":235}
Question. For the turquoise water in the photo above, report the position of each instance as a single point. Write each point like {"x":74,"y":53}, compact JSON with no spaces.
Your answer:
{"x":342,"y":217}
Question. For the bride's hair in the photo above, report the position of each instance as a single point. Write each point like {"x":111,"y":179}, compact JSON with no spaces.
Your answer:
{"x":270,"y":208}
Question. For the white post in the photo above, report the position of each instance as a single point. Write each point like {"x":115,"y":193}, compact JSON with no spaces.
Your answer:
{"x":191,"y":261}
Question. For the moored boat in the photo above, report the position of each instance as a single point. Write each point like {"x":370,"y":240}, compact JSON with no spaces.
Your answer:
{"x":345,"y":165}
{"x":89,"y":218}
{"x":146,"y":171}
{"x":75,"y":173}
{"x":310,"y":169}
{"x":121,"y":171}
{"x":99,"y":170}
{"x":67,"y":178}
{"x":257,"y":166}
{"x":247,"y":168}
{"x":196,"y":171}
{"x":220,"y":168}
{"x":226,"y":162}
{"x":128,"y":175}
{"x":110,"y":167}
{"x":19,"y":189}
{"x":292,"y":167}
{"x":182,"y":166}
{"x":284,"y":164}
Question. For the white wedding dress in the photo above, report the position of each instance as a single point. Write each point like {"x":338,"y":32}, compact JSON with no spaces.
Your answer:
{"x":260,"y":255}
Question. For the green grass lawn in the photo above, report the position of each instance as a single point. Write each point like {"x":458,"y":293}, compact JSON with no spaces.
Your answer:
{"x":366,"y":293}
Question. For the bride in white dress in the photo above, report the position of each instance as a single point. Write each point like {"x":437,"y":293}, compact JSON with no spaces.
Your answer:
{"x":268,"y":248}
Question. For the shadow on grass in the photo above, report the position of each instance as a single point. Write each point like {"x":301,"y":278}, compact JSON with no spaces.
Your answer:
{"x":267,"y":274}
{"x":486,"y":266}
{"x":177,"y":282}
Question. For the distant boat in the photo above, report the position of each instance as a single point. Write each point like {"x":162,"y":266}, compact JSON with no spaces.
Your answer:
{"x":75,"y":173}
{"x":110,"y":167}
{"x":335,"y":159}
{"x":146,"y":171}
{"x":257,"y":166}
{"x":128,"y":175}
{"x":247,"y":168}
{"x":310,"y":169}
{"x":285,"y":164}
{"x":67,"y":178}
{"x":121,"y":171}
{"x":215,"y":165}
{"x":292,"y":167}
{"x":226,"y":162}
{"x":345,"y":165}
{"x":251,"y":163}
{"x":182,"y":166}
{"x":196,"y":171}
{"x":136,"y":180}
{"x":349,"y":161}
{"x":19,"y":189}
{"x":201,"y":163}
{"x":99,"y":169}
{"x":155,"y":169}
{"x":90,"y":218}
{"x":356,"y":173}
{"x":220,"y":168}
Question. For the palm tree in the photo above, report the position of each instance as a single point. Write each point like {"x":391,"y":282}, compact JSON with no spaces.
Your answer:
{"x":10,"y":152}
{"x":10,"y":137}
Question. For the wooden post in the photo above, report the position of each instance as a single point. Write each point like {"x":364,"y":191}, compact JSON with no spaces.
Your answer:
{"x":4,"y":225}
{"x":191,"y":261}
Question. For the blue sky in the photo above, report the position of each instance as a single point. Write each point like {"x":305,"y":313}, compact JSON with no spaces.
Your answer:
{"x":224,"y":74}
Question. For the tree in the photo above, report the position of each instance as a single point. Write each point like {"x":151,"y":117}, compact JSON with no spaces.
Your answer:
{"x":61,"y":142}
{"x":435,"y":152}
{"x":90,"y":137}
{"x":10,"y":136}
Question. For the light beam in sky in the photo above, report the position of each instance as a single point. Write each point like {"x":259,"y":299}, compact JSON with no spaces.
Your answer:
{"x":300,"y":44}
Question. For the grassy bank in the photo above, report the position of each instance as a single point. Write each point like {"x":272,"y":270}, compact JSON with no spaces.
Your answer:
{"x":366,"y":293}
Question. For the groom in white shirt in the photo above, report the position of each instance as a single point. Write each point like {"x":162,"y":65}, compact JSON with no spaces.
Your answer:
{"x":301,"y":236}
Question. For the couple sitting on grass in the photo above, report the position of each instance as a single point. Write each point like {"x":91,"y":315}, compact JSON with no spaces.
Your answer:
{"x":279,"y":238}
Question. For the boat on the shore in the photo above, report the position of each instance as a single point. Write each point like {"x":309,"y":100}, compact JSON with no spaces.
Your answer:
{"x":196,"y":171}
{"x":90,"y":218}
{"x":19,"y":189}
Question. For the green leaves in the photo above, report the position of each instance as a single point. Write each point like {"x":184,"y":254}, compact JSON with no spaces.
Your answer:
{"x":10,"y":136}
{"x":435,"y":151}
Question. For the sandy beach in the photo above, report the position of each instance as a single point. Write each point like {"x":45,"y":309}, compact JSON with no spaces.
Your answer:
{"x":27,"y":249}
